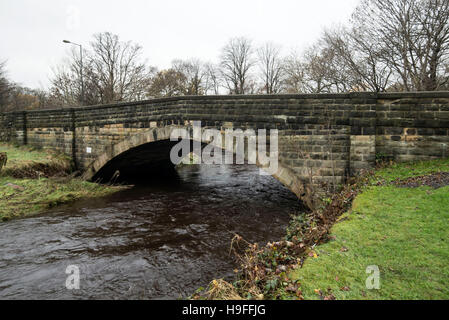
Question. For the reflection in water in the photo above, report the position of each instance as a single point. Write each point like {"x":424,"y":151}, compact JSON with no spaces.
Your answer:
{"x":161,"y":240}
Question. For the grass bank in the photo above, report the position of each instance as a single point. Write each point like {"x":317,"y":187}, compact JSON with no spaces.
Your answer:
{"x":34,"y":180}
{"x":395,"y":219}
{"x":400,"y":223}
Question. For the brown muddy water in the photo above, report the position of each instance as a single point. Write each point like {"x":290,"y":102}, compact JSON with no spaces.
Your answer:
{"x":161,"y":240}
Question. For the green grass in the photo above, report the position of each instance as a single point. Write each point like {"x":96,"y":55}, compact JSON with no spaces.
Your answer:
{"x":412,"y":169}
{"x":35,"y":195}
{"x":403,"y":231}
{"x":23,"y":155}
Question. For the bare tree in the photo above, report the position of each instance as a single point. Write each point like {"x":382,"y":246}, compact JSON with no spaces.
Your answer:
{"x":236,"y":62}
{"x":14,"y":97}
{"x":445,"y":78}
{"x":117,"y":67}
{"x":22,"y":98}
{"x":271,"y":67}
{"x":414,"y":36}
{"x":360,"y":59}
{"x":212,"y":79}
{"x":113,"y":71}
{"x":294,"y":74}
{"x":66,"y":82}
{"x":340,"y":61}
{"x":4,"y":87}
{"x":168,"y":83}
{"x":324,"y":71}
{"x":318,"y":70}
{"x":400,"y":45}
{"x":195,"y":73}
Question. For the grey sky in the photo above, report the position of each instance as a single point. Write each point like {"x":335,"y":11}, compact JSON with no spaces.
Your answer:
{"x":32,"y":31}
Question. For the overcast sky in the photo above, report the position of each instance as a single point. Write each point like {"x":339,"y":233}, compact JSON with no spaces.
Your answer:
{"x":32,"y":31}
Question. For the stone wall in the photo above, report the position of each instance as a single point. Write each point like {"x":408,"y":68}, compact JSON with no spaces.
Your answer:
{"x":322,"y":138}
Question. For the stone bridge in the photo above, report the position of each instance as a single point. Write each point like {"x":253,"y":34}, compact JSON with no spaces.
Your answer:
{"x":323,"y":138}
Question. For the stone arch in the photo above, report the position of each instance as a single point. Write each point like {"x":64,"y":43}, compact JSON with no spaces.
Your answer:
{"x":284,"y":175}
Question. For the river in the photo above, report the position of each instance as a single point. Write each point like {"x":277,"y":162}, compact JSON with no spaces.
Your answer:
{"x":159,"y":240}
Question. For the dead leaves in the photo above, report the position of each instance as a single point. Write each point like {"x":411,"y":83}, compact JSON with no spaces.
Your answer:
{"x":325,"y":295}
{"x":436,"y":180}
{"x":294,"y":288}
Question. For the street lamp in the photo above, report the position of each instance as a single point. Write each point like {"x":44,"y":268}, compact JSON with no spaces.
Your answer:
{"x":81,"y":57}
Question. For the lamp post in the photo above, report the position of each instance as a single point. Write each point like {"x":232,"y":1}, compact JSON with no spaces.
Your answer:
{"x":81,"y":71}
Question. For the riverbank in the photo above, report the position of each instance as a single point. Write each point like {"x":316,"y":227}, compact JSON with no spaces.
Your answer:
{"x":399,"y":225}
{"x":394,"y":220}
{"x":34,"y":180}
